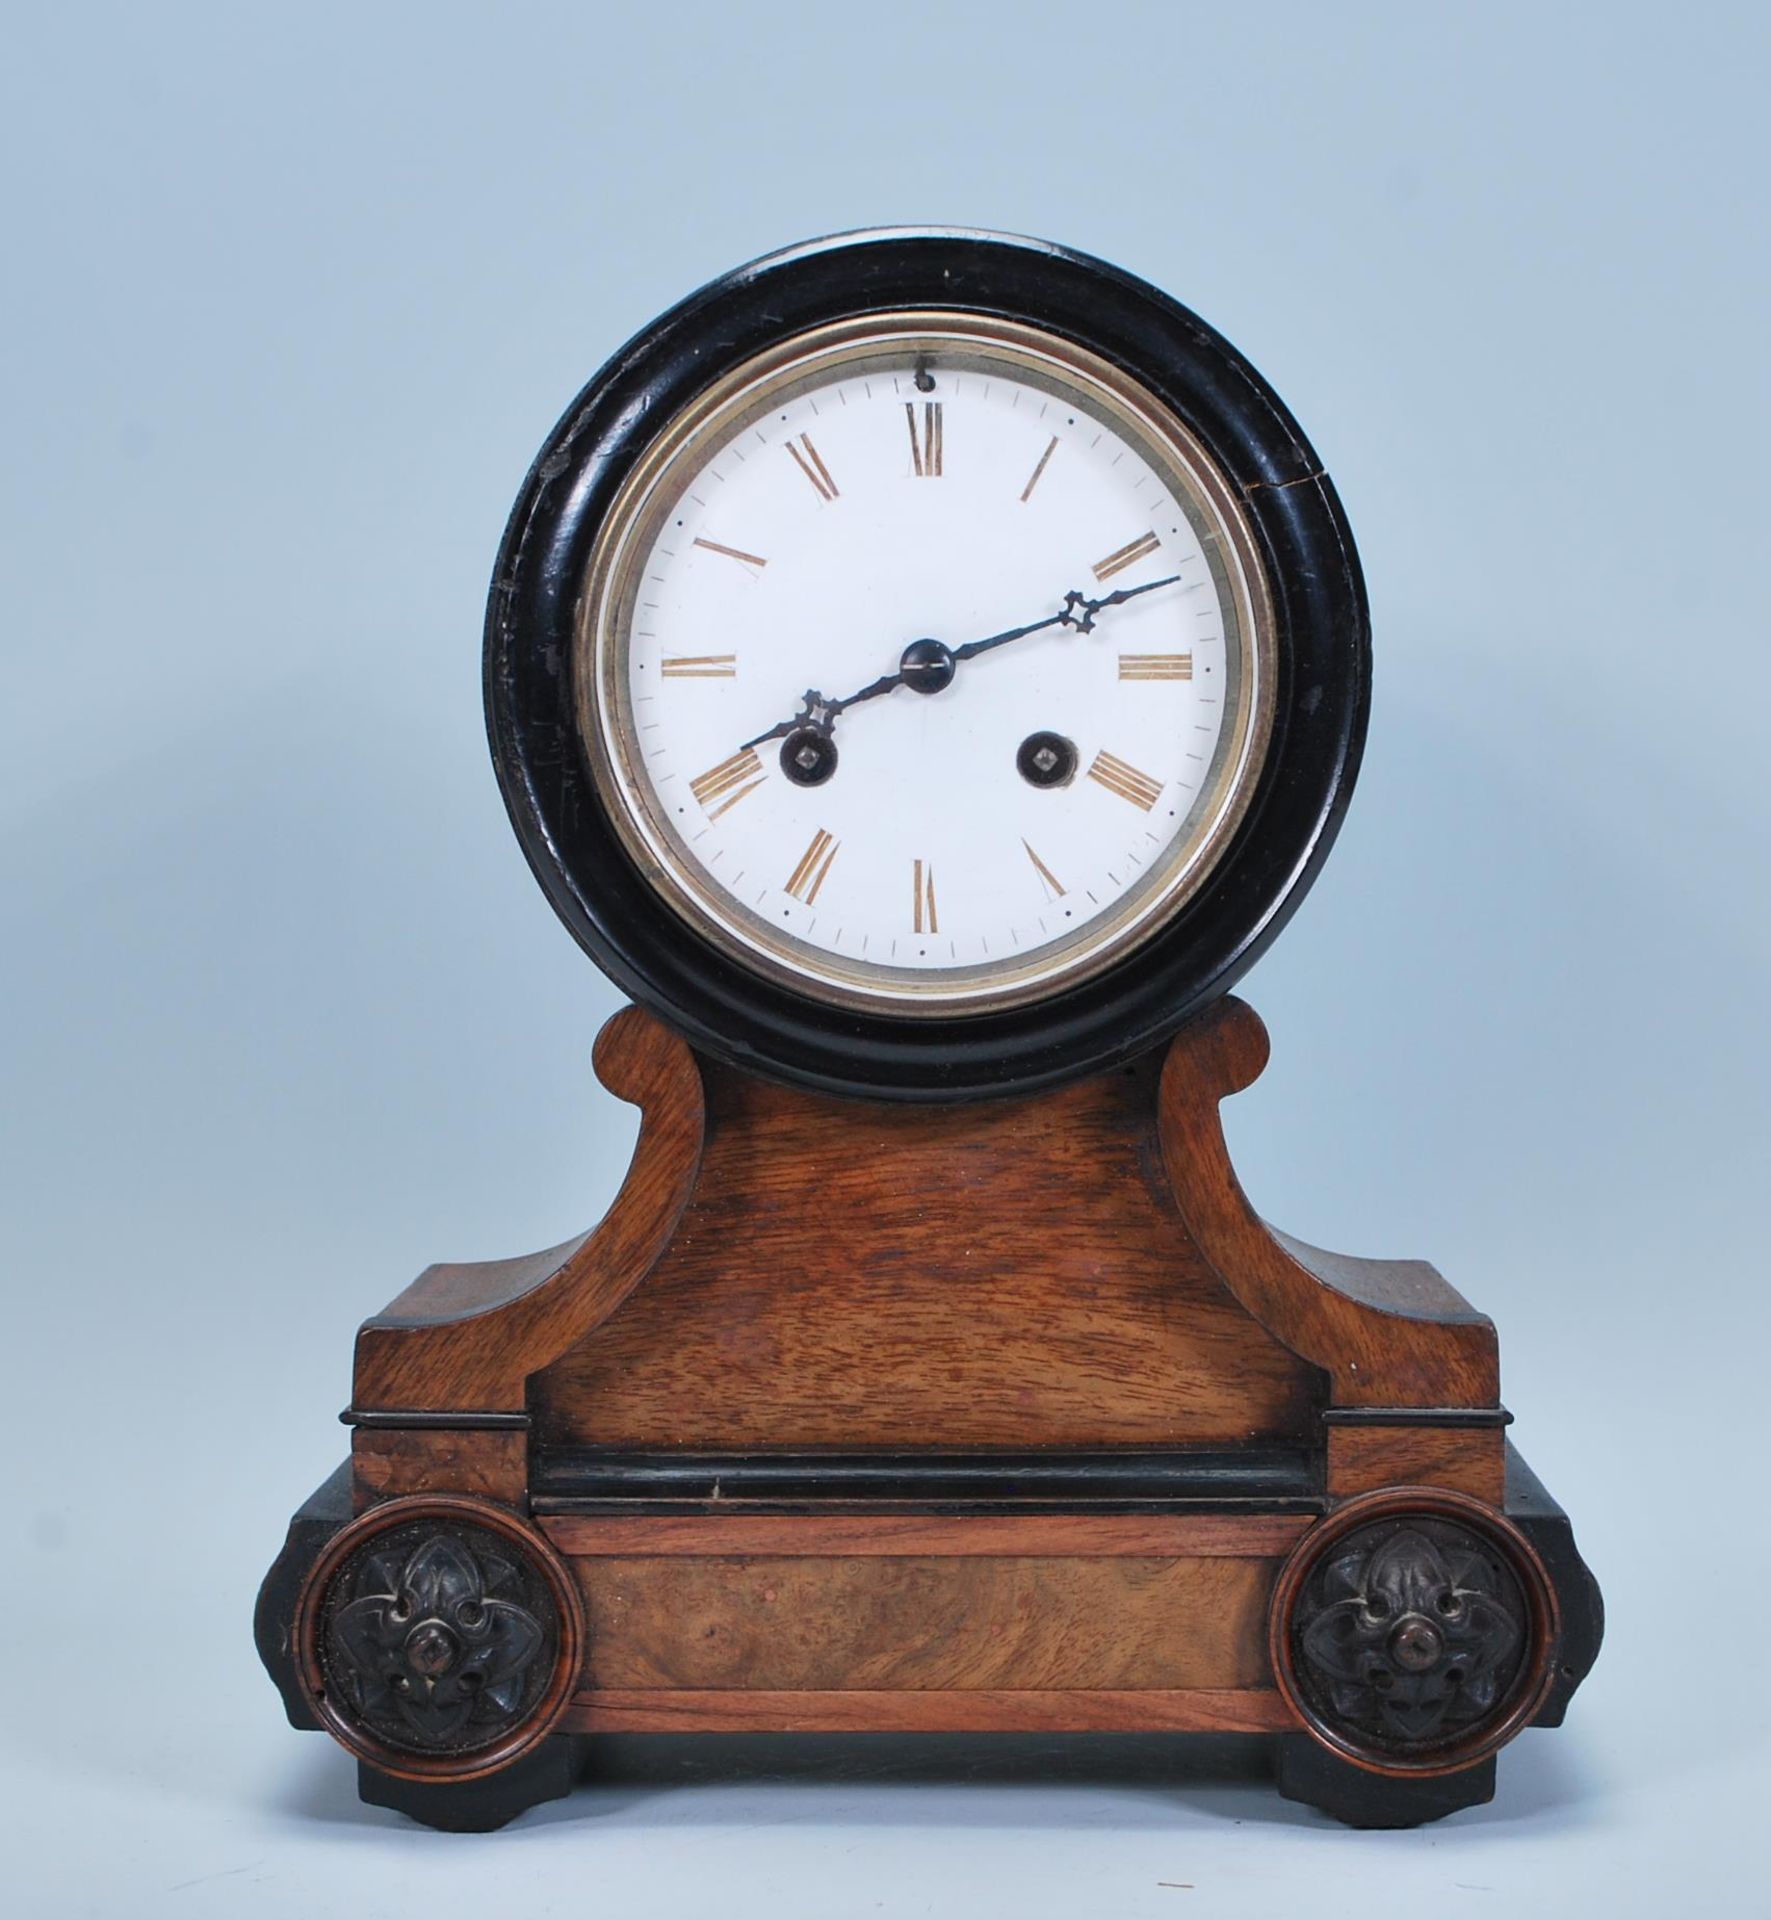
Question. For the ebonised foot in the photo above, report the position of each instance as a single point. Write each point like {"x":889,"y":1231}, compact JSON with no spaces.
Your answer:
{"x":547,"y":1771}
{"x":1314,"y":1777}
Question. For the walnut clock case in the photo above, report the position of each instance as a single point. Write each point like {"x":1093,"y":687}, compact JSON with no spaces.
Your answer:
{"x":925,"y":670}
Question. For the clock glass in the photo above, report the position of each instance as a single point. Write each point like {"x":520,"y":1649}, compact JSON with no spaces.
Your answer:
{"x":925,"y":661}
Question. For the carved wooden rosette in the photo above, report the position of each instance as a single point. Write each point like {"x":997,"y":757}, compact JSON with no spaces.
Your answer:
{"x":438,"y":1638}
{"x":1414,"y":1631}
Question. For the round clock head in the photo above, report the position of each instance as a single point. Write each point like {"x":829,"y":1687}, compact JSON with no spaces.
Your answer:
{"x":926,"y":664}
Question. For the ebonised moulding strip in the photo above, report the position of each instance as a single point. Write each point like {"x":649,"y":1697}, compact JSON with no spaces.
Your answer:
{"x":465,"y":1419}
{"x":565,"y":1482}
{"x":1416,"y":1417}
{"x":881,"y":1507}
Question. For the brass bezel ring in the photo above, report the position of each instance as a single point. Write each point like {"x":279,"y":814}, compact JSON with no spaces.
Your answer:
{"x":605,"y":721}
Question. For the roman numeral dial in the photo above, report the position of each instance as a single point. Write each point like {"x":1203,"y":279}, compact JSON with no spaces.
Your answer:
{"x":1120,"y":777}
{"x":925,"y":447}
{"x":1127,"y":556}
{"x":725,"y":785}
{"x":1156,"y":666}
{"x":814,"y":867}
{"x":731,"y":553}
{"x":917,"y":732}
{"x":811,"y":463}
{"x":1052,"y":884}
{"x":1033,"y":479}
{"x":922,"y":918}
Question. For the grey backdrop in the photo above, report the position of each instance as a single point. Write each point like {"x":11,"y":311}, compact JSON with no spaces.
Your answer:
{"x":291,"y":296}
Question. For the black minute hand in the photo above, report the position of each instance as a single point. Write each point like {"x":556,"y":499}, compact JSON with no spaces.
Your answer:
{"x":1078,"y":611}
{"x":924,"y":660}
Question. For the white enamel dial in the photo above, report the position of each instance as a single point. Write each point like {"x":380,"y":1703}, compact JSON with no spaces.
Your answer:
{"x":984,"y":823}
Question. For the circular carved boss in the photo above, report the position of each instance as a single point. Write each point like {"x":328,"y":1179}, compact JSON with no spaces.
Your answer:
{"x":438,"y":1639}
{"x":1413,"y":1631}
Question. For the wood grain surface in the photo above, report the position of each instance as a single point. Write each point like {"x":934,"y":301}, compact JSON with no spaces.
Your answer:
{"x":1387,"y":1332}
{"x":892,"y":1622}
{"x":985,"y":1536}
{"x":1468,"y":1460}
{"x":1001,"y":1710}
{"x":786,"y":1272}
{"x":389,"y":1461}
{"x":469,"y":1336}
{"x":858,"y":1275}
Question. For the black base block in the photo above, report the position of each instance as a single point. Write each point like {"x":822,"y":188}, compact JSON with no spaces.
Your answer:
{"x":1308,"y":1773}
{"x":478,"y":1806}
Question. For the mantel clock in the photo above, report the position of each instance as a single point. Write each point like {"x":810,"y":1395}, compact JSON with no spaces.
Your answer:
{"x":925,"y":670}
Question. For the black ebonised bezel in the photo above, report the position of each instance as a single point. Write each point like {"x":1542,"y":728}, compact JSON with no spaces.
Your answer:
{"x":1323,"y":639}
